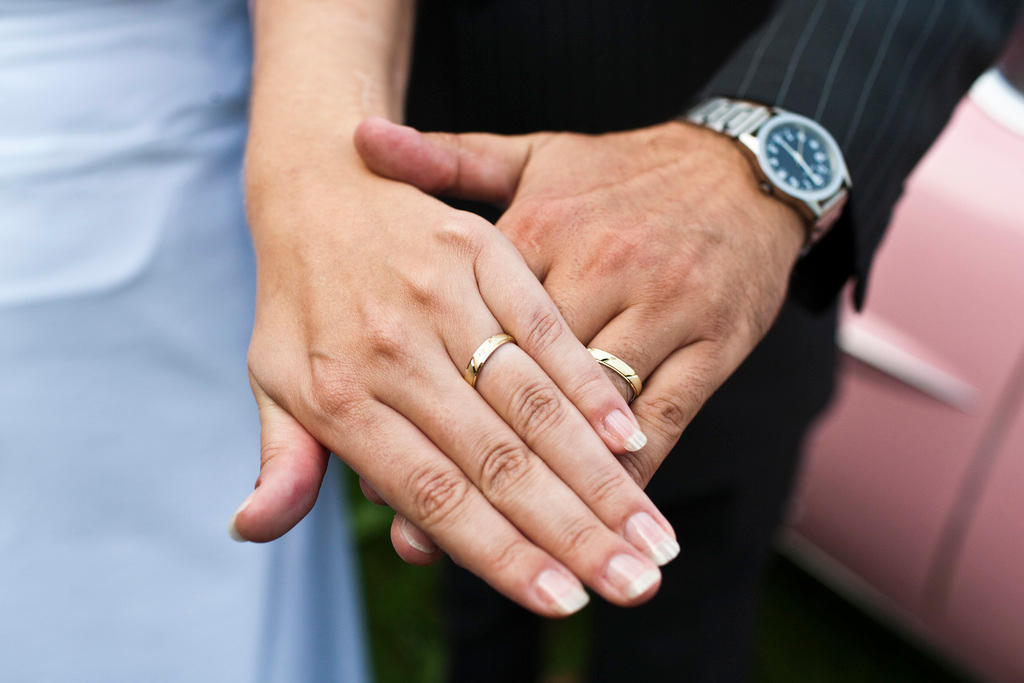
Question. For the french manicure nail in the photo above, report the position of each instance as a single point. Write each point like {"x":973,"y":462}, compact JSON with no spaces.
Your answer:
{"x":643,"y":532}
{"x":416,"y":538}
{"x":232,"y":530}
{"x":625,"y":430}
{"x":564,"y":593}
{"x":632,"y":576}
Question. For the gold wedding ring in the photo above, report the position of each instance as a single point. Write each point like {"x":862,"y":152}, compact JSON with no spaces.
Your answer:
{"x":620,"y":368}
{"x":482,"y":353}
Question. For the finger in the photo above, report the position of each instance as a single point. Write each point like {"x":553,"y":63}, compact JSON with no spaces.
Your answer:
{"x":525,"y":311}
{"x":643,"y":336}
{"x":586,"y":305}
{"x":523,"y":488}
{"x":549,"y":424}
{"x":427,"y":488}
{"x":292,"y":466}
{"x":411,"y":544}
{"x":543,"y":423}
{"x":671,"y":398}
{"x":370,"y":493}
{"x":476,"y":166}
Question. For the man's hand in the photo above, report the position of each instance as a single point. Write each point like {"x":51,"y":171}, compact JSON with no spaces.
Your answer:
{"x":656,"y":245}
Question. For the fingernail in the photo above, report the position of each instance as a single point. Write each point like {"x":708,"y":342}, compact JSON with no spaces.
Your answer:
{"x":416,"y":538}
{"x":626,"y":431}
{"x":646,"y":534}
{"x":232,"y":530}
{"x":565,"y":593}
{"x":632,"y":576}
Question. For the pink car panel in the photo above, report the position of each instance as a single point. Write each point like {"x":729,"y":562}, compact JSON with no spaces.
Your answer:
{"x":983,"y":615}
{"x":903,"y":484}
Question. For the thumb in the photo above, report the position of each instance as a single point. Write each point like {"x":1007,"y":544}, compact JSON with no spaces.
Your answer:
{"x":477,"y":166}
{"x":292,"y":466}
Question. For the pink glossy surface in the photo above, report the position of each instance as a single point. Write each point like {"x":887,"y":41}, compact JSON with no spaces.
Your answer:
{"x":886,"y":465}
{"x":984,"y":614}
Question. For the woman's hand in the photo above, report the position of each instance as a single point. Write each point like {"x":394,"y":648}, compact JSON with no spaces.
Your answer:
{"x":372,"y":298}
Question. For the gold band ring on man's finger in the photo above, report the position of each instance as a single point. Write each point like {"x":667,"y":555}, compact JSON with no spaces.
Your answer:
{"x":620,"y":368}
{"x":482,"y":353}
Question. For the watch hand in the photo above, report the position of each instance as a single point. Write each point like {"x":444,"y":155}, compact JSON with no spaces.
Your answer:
{"x":800,"y":147}
{"x":797,"y":157}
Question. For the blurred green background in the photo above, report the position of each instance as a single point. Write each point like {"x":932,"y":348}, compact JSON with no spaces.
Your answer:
{"x":807,"y":633}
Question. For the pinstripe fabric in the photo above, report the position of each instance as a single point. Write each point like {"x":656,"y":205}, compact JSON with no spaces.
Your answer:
{"x":798,"y":51}
{"x":764,"y":40}
{"x":867,"y":87}
{"x":883,"y":76}
{"x":837,"y":56}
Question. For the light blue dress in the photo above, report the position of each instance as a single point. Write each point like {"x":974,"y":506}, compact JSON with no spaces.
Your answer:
{"x":127,"y":431}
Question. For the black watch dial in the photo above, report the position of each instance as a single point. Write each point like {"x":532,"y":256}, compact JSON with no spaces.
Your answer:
{"x":800,"y":157}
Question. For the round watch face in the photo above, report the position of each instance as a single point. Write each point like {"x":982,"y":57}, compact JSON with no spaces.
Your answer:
{"x":800,"y":157}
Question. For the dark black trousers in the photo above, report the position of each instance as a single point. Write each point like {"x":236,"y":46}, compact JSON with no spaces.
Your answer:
{"x":724,"y":489}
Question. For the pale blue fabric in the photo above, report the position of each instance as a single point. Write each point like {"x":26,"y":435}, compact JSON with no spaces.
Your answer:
{"x":127,"y":431}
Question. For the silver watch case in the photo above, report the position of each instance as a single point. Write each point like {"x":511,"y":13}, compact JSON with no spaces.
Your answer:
{"x":750,"y":124}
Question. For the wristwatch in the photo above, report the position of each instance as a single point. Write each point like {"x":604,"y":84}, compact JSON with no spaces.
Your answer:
{"x":794,"y":158}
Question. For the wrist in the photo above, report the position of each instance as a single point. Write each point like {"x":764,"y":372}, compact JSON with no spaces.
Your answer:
{"x":285,"y":184}
{"x":732,"y":185}
{"x":795,"y":159}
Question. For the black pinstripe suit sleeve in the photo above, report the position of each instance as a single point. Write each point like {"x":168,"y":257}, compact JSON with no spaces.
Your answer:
{"x":883,"y":76}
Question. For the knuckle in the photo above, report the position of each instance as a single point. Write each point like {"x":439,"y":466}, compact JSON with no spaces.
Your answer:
{"x":639,"y":469}
{"x":634,"y":350}
{"x":543,"y":330}
{"x":593,"y":388}
{"x":461,"y":235}
{"x":527,"y":223}
{"x":529,"y":214}
{"x":670,"y":415}
{"x":384,"y":337}
{"x":620,"y":251}
{"x":535,"y":406}
{"x":674,"y":283}
{"x":606,"y":487}
{"x":675,"y":289}
{"x":332,"y":391}
{"x":437,"y":495}
{"x":592,"y":381}
{"x":271,"y":449}
{"x":503,"y":464}
{"x":718,"y":318}
{"x":424,"y":288}
{"x":508,"y":558}
{"x":578,"y":537}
